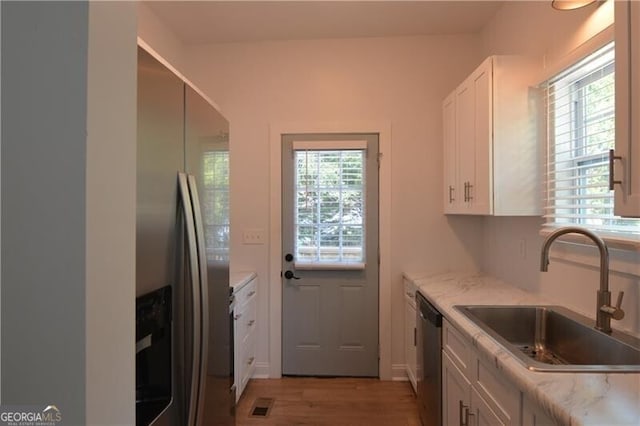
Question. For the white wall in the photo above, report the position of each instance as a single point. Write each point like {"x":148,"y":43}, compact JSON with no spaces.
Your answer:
{"x":401,"y":81}
{"x":156,"y":34}
{"x":68,"y":258}
{"x":111,"y":213}
{"x":535,"y":28}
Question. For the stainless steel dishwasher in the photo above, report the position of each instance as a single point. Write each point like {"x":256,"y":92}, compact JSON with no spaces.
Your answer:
{"x":429,"y":369}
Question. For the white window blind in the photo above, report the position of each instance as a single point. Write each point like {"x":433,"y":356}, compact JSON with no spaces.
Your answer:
{"x":215,"y":203}
{"x":329,"y":206}
{"x":580,"y":131}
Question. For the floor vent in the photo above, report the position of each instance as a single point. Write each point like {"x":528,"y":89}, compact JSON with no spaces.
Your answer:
{"x":261,"y":407}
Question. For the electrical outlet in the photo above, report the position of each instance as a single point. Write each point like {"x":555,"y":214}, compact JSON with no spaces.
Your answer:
{"x":253,"y":236}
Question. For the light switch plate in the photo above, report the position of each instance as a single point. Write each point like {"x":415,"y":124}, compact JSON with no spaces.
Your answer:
{"x":253,"y":236}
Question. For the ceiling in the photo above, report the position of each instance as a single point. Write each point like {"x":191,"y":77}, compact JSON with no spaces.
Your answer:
{"x":199,"y":22}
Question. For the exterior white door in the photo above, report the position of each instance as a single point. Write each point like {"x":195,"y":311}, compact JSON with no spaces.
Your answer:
{"x":330,"y":255}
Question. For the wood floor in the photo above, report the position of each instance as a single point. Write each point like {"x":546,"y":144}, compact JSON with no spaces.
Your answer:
{"x":330,"y":401}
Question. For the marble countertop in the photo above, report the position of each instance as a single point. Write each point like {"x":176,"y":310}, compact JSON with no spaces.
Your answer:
{"x":568,"y":398}
{"x":237,"y":280}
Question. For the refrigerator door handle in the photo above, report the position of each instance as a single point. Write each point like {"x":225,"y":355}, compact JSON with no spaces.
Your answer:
{"x":194,"y":272}
{"x":204,"y":299}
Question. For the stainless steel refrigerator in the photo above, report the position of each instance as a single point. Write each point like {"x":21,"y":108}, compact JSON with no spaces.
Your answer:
{"x":184,"y":337}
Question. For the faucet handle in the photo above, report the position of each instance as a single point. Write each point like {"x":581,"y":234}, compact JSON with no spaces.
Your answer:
{"x":616,"y":312}
{"x":619,"y":313}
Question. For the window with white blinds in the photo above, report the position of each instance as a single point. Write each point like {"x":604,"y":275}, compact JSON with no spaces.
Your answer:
{"x":329,"y":206}
{"x":580,"y":132}
{"x":215,"y":203}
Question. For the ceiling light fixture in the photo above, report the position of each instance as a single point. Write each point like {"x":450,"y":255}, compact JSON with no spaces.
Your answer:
{"x":570,"y":4}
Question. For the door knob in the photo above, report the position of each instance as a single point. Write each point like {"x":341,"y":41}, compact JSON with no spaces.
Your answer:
{"x":289,"y":275}
{"x":288,"y":257}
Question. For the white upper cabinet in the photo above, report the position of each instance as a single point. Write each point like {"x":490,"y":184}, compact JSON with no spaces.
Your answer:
{"x":491,"y":148}
{"x":626,"y":170}
{"x":452,"y":194}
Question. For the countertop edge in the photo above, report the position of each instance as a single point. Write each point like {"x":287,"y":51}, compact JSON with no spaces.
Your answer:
{"x":237,"y":280}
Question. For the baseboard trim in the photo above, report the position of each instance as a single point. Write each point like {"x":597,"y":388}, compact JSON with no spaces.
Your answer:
{"x":399,"y":372}
{"x":261,"y":371}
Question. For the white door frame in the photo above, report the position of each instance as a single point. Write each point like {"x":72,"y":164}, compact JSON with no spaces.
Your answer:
{"x":275,"y":232}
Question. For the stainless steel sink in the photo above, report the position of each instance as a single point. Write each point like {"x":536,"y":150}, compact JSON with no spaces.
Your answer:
{"x":552,"y":338}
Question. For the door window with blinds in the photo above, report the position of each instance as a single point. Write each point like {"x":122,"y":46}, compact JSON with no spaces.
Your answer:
{"x":329,"y":204}
{"x":580,"y":132}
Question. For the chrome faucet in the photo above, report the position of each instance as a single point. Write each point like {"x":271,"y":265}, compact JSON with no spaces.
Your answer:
{"x":604,"y":311}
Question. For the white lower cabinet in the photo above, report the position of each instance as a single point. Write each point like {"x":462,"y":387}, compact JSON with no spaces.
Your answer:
{"x":410,"y":337}
{"x":456,"y":398}
{"x":463,"y":405}
{"x":481,"y":413}
{"x":478,"y":396}
{"x":532,"y":415}
{"x":244,"y":334}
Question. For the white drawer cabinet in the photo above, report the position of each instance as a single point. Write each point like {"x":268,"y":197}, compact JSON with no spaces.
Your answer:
{"x":627,"y":169}
{"x":491,"y":151}
{"x":244,"y":334}
{"x":410,"y":331}
{"x":455,"y":393}
{"x":457,"y":347}
{"x":472,"y":389}
{"x":462,"y":403}
{"x":502,"y":397}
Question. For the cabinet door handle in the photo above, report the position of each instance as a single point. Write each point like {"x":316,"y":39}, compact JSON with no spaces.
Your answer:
{"x":468,"y":414}
{"x":237,"y":316}
{"x":250,"y":323}
{"x":251,"y":293}
{"x":463,"y":414}
{"x":612,"y":179}
{"x":451,"y":199}
{"x":469,"y":197}
{"x":250,"y":361}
